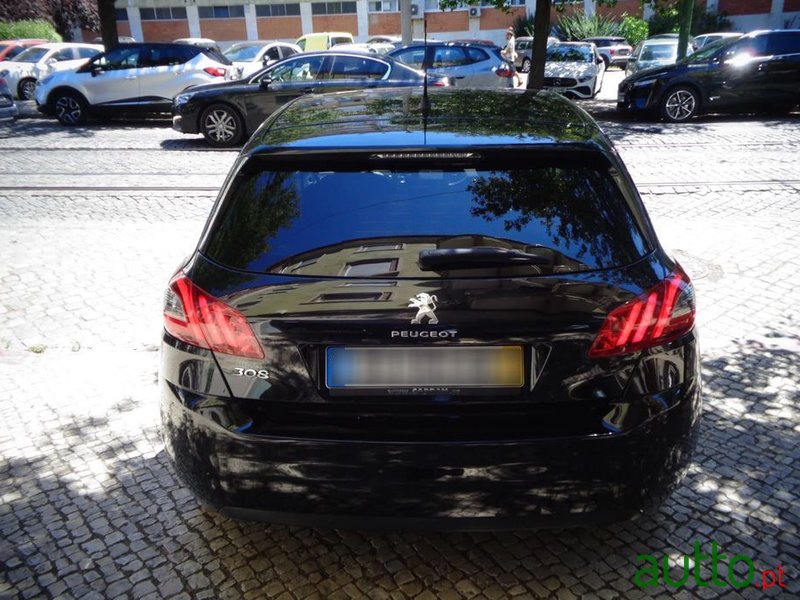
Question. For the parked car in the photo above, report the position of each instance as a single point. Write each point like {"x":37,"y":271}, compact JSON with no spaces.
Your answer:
{"x":10,"y":48}
{"x":8,"y":110}
{"x":759,"y":71}
{"x":323,"y":40}
{"x":469,"y":65}
{"x":129,"y":78}
{"x":249,"y":57}
{"x":654,"y":52}
{"x":38,"y":61}
{"x":228,"y":113}
{"x":425,"y":313}
{"x":367,"y":47}
{"x":122,"y":39}
{"x":574,"y":69}
{"x":523,"y":46}
{"x":614,"y":50}
{"x":397,"y":40}
{"x":701,"y":41}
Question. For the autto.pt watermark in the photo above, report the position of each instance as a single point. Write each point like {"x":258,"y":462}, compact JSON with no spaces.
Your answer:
{"x":741,"y":571}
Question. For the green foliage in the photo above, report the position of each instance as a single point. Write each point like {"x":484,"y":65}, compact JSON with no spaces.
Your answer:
{"x":633,"y":29}
{"x":667,"y":20}
{"x":578,"y":26}
{"x":523,"y":26}
{"x":37,"y":29}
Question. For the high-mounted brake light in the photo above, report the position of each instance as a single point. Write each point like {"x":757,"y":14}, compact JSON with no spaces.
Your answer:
{"x":215,"y":71}
{"x":660,"y":315}
{"x":198,"y":318}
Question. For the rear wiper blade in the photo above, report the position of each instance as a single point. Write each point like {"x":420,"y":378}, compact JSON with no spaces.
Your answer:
{"x":482,"y":256}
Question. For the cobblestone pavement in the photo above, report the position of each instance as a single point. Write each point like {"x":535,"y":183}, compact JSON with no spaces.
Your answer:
{"x":92,"y":223}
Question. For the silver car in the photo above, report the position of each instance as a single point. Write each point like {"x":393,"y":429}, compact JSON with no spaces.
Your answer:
{"x":615,"y":51}
{"x":130,"y":78}
{"x":523,"y":46}
{"x":249,"y":57}
{"x":654,"y":52}
{"x":468,"y":65}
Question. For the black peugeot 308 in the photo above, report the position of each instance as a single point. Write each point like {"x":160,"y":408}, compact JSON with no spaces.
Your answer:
{"x":416,"y":311}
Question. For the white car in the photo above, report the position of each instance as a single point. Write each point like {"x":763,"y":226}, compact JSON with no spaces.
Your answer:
{"x":574,"y":69}
{"x":249,"y":57}
{"x":130,"y":78}
{"x":36,"y":62}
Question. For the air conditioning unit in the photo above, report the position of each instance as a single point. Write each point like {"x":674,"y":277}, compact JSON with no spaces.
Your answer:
{"x":417,"y":11}
{"x":475,"y":11}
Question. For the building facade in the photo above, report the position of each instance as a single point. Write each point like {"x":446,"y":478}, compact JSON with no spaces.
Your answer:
{"x":229,"y":20}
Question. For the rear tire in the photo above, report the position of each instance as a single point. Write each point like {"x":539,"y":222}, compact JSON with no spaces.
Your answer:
{"x":221,"y":126}
{"x":70,"y":108}
{"x":526,"y":65}
{"x":26,"y":90}
{"x":679,"y":104}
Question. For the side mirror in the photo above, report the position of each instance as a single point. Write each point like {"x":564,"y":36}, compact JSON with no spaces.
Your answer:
{"x":51,"y":61}
{"x":265,"y":83}
{"x":632,"y":59}
{"x":599,"y":61}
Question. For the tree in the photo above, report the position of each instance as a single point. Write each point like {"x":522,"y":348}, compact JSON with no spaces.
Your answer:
{"x":108,"y":23}
{"x":65,"y":15}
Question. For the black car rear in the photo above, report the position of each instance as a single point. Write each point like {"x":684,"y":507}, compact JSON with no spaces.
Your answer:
{"x":428,"y":313}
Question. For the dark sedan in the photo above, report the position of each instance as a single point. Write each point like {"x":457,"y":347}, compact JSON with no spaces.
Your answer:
{"x":446,"y":311}
{"x":757,"y":72}
{"x":8,"y":110}
{"x":227,"y":113}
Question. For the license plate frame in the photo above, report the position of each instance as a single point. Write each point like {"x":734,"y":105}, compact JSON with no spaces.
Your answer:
{"x":397,"y":370}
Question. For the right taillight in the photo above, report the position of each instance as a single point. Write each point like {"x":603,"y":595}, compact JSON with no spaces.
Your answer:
{"x":662,"y":314}
{"x":198,"y":318}
{"x":215,"y":71}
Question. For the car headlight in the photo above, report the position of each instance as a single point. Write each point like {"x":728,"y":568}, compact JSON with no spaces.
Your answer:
{"x":181,"y":99}
{"x":585,"y":78}
{"x":643,"y":83}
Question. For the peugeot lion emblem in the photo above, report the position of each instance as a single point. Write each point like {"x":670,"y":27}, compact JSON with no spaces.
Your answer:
{"x":425,"y":305}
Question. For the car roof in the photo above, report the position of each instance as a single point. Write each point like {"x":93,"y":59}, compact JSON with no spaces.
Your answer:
{"x":396,"y":118}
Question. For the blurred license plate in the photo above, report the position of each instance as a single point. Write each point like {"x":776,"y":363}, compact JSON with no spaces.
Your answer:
{"x":430,"y":367}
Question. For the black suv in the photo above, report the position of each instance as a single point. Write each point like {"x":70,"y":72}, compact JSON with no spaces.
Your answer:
{"x":450,"y":311}
{"x":759,"y":71}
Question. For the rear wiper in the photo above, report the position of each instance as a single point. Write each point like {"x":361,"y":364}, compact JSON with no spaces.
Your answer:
{"x":482,"y":256}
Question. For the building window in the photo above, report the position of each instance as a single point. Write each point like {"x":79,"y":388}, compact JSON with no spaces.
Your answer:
{"x":490,"y":4}
{"x":384,"y":6}
{"x":278,"y":10}
{"x":333,"y":8}
{"x":174,"y":13}
{"x":371,"y":268}
{"x":353,"y":297}
{"x":235,"y":11}
{"x":122,"y":14}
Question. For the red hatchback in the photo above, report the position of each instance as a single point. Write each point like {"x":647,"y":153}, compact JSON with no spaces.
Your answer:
{"x":10,"y":48}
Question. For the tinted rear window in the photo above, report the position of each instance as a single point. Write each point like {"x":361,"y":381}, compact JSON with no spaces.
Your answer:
{"x":374,"y":223}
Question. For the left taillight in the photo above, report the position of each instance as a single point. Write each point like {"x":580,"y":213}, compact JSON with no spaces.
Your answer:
{"x":198,"y":318}
{"x":504,"y":71}
{"x":215,"y":71}
{"x":660,"y":315}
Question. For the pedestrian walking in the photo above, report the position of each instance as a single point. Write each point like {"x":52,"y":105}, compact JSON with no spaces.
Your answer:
{"x":509,"y":53}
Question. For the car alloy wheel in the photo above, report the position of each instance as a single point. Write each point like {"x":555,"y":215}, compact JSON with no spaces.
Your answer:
{"x":221,"y":125}
{"x":526,"y":65}
{"x":70,"y":109}
{"x":679,"y":104}
{"x":27,"y":89}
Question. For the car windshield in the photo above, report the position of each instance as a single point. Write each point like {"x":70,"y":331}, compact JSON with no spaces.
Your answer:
{"x":569,"y":54}
{"x":31,"y":55}
{"x":376,"y":223}
{"x":709,"y":50}
{"x":659,"y":52}
{"x":242,"y":53}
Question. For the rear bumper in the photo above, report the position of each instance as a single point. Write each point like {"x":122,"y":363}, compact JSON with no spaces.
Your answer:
{"x":443,"y":485}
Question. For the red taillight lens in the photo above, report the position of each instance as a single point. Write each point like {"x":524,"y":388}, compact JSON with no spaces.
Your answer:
{"x":439,"y":82}
{"x":660,"y":315}
{"x":611,"y":51}
{"x":504,"y":72}
{"x":215,"y":71}
{"x":200,"y":319}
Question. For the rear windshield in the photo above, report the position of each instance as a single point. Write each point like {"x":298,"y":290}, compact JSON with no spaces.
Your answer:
{"x":376,"y":222}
